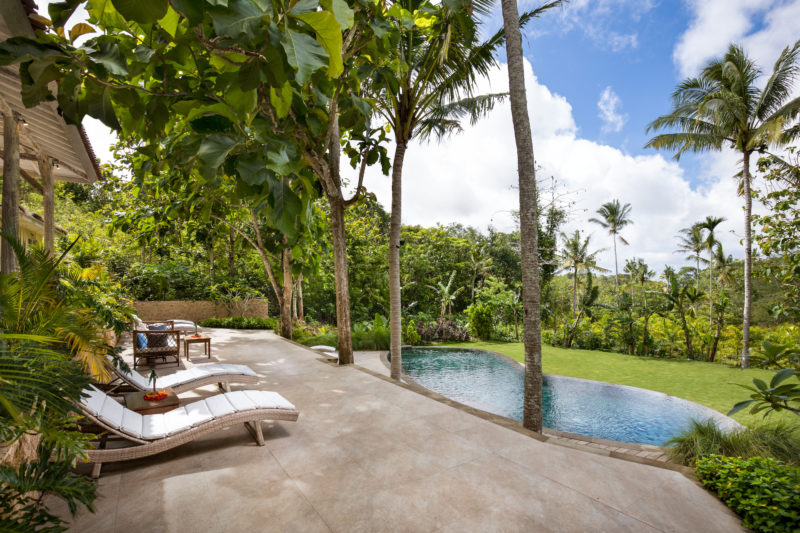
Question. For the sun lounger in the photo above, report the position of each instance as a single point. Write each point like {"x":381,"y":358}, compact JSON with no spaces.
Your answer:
{"x":198,"y":376}
{"x":152,"y":434}
{"x":328,"y":351}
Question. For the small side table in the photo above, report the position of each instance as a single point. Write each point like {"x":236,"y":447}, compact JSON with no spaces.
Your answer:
{"x":205,"y":341}
{"x":135,"y":402}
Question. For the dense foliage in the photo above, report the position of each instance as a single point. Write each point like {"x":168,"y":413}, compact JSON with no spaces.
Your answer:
{"x":764,"y":492}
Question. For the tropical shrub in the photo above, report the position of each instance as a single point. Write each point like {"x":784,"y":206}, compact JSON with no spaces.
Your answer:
{"x":763,"y":491}
{"x":779,"y":441}
{"x":46,"y":340}
{"x":410,"y":335}
{"x":481,"y":321}
{"x":240,"y":322}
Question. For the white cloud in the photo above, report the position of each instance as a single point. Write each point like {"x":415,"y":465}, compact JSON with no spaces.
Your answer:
{"x":717,"y":23}
{"x":597,"y":17}
{"x":610,"y":111}
{"x":471,"y":179}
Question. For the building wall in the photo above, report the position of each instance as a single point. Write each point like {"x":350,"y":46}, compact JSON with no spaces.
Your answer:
{"x":199,"y":310}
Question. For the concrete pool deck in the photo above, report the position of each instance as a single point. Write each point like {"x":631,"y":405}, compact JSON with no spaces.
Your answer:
{"x":368,"y":455}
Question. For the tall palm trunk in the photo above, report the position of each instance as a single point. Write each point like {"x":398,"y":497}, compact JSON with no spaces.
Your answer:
{"x":531,"y":331}
{"x":574,"y":292}
{"x":345,"y":344}
{"x":286,"y":298}
{"x":616,"y":268}
{"x":395,"y":317}
{"x":697,"y":270}
{"x":748,"y":259}
{"x":710,"y":291}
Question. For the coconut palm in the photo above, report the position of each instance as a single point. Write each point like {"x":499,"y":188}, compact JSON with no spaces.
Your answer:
{"x":429,"y":98}
{"x":692,"y":242}
{"x":726,"y":106}
{"x":613,"y":217}
{"x":710,"y":224}
{"x":576,"y":258}
{"x":640,"y":273}
{"x":528,"y":201}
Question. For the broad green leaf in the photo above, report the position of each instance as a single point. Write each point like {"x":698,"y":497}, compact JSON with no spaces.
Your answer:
{"x":213,"y":151}
{"x":218,"y":60}
{"x":286,"y":207}
{"x":192,"y":110}
{"x":193,"y":10}
{"x":241,"y":17}
{"x":329,"y":35}
{"x":18,"y":49}
{"x":340,"y":10}
{"x":303,"y":6}
{"x":79,"y":29}
{"x":60,"y":12}
{"x":244,"y":102}
{"x":142,"y":11}
{"x":170,"y":21}
{"x":143,"y":54}
{"x":303,"y":53}
{"x":281,"y":101}
{"x":109,"y":56}
{"x":96,"y":100}
{"x":252,"y":170}
{"x":282,"y":163}
{"x":103,"y":11}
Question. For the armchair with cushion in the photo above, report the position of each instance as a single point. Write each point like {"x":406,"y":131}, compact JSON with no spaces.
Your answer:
{"x":153,"y":340}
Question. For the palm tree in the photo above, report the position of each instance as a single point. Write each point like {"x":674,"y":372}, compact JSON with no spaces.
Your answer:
{"x":480,"y":263}
{"x":724,"y":266}
{"x":576,"y":258}
{"x":428,"y":100}
{"x":724,"y":106}
{"x":692,"y":242}
{"x":528,"y":201}
{"x":710,"y":224}
{"x":640,"y":273}
{"x":613,"y":217}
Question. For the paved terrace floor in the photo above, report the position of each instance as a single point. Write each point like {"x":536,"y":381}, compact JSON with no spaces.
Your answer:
{"x":368,"y":455}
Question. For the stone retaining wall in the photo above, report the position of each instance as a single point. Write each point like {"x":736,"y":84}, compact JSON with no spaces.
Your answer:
{"x":199,"y":310}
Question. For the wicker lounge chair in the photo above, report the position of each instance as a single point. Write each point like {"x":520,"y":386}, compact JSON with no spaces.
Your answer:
{"x":198,"y":376}
{"x":152,"y":434}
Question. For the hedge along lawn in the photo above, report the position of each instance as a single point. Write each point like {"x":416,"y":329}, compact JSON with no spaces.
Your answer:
{"x":708,"y":384}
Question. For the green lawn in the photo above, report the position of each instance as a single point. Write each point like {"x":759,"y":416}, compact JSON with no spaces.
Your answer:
{"x":705,"y":383}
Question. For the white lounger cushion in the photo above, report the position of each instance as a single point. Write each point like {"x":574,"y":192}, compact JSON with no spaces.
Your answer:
{"x":185,"y":376}
{"x":151,"y":427}
{"x":323,"y":348}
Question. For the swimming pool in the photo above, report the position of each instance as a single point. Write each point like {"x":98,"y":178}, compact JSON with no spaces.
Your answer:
{"x":494,"y":383}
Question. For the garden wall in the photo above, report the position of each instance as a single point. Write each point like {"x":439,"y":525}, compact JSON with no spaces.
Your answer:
{"x":198,"y":311}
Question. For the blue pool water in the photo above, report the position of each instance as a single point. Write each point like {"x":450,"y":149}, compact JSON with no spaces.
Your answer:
{"x":494,"y":383}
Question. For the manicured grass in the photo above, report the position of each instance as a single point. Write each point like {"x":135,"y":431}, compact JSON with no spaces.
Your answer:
{"x":705,"y":383}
